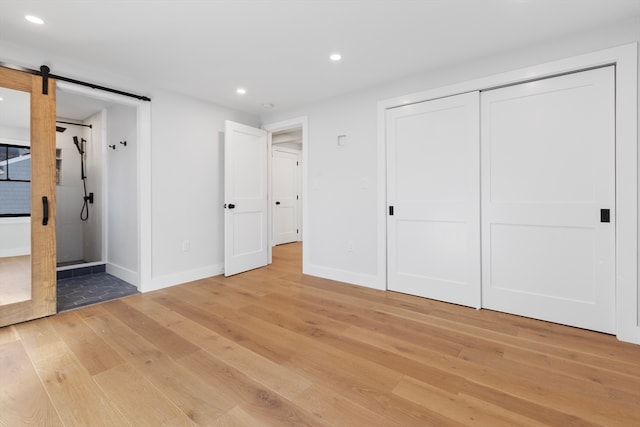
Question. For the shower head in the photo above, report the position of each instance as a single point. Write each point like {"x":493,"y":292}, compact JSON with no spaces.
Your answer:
{"x":79,"y":145}
{"x":60,"y":129}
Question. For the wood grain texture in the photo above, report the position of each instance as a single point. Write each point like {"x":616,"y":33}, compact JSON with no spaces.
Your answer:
{"x":138,"y":400}
{"x":43,"y":183}
{"x":273,"y":347}
{"x":92,"y":351}
{"x":42,"y":301}
{"x":23,"y":399}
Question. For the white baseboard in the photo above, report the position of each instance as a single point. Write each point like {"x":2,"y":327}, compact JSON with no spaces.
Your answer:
{"x":629,"y":334}
{"x":161,"y":282}
{"x":15,"y":252}
{"x":125,"y":274}
{"x":360,"y":279}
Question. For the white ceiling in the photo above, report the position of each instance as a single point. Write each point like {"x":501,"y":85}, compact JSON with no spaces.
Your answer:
{"x":278,"y":49}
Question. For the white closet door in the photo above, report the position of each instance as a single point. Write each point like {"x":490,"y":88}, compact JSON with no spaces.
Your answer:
{"x":548,"y":169}
{"x":285,"y":195}
{"x":433,"y":186}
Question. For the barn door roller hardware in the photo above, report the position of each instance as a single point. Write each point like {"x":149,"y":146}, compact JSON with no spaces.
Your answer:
{"x":44,"y":70}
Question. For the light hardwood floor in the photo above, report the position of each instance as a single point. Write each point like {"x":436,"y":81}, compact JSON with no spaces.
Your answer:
{"x":272,"y":347}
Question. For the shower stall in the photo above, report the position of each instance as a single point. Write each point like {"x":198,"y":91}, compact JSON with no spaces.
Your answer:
{"x":79,"y":169}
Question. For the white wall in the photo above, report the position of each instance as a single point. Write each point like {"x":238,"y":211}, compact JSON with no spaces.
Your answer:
{"x":15,"y":135}
{"x":16,"y":236}
{"x":343,"y":200}
{"x":95,"y":147}
{"x":187,"y":187}
{"x":69,"y":197}
{"x":122,"y":193}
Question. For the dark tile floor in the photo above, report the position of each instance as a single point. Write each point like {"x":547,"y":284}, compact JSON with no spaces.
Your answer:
{"x":90,"y":289}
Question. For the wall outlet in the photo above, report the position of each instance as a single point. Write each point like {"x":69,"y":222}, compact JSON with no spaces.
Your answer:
{"x":186,"y":245}
{"x":351,"y":246}
{"x":364,"y":182}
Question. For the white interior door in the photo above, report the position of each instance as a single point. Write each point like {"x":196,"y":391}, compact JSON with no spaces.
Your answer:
{"x":245,"y":195}
{"x":433,"y":187}
{"x":286,"y":190}
{"x":548,"y":169}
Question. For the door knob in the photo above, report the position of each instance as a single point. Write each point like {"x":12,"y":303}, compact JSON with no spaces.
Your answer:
{"x":277,"y":203}
{"x":231,"y":206}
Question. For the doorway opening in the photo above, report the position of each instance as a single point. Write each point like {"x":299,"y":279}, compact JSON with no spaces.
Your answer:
{"x":288,"y":148}
{"x":97,"y":192}
{"x":79,"y":184}
{"x":286,"y":186}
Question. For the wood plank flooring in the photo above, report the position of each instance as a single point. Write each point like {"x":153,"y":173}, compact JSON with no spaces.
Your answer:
{"x":273,"y":347}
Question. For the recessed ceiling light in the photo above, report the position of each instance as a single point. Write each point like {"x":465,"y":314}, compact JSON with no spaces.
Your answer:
{"x":335,"y":57}
{"x":34,"y":19}
{"x":241,"y":91}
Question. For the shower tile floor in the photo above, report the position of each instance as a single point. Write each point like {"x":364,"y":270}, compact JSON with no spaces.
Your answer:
{"x":80,"y":291}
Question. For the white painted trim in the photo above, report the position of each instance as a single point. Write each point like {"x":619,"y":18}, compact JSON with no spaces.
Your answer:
{"x":296,"y":122}
{"x":626,"y":60}
{"x":381,"y":217}
{"x":104,"y":197}
{"x":346,"y":276}
{"x":15,"y":252}
{"x":161,"y":282}
{"x":285,"y":149}
{"x":144,"y":195}
{"x":81,"y":265}
{"x":14,"y":141}
{"x":270,"y":195}
{"x":15,"y":220}
{"x":123,"y":273}
{"x":628,"y":298}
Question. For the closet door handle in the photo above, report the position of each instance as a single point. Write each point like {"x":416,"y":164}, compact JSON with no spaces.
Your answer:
{"x":45,"y":210}
{"x":277,"y":203}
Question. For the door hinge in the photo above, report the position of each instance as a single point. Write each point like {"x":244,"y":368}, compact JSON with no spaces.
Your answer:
{"x":297,"y":198}
{"x":391,"y":210}
{"x":297,"y":231}
{"x":297,"y":164}
{"x":605,"y":215}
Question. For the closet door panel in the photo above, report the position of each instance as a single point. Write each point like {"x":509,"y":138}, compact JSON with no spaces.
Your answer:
{"x":548,"y":170}
{"x":433,"y":186}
